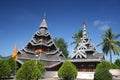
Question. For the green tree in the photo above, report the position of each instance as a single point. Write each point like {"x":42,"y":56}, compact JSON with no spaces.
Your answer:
{"x":102,"y":70}
{"x":12,"y":64}
{"x":5,"y":70}
{"x":77,"y":37}
{"x":107,"y":65}
{"x":102,"y":74}
{"x":67,"y":71}
{"x":110,"y":43}
{"x":28,"y":71}
{"x":41,"y":67}
{"x":62,"y":45}
{"x":117,"y":62}
{"x":103,"y":64}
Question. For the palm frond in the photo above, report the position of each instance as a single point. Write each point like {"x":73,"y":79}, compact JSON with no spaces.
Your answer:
{"x":110,"y":44}
{"x":100,"y":44}
{"x":115,"y":48}
{"x":117,"y":36}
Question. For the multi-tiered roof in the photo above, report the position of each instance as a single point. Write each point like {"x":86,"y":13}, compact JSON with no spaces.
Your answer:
{"x":42,"y":45}
{"x":85,"y":51}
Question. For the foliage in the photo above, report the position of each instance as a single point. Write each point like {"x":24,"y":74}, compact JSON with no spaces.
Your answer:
{"x":114,"y":66}
{"x":77,"y":37}
{"x":28,"y":71}
{"x":5,"y":70}
{"x":41,"y":67}
{"x":102,"y":74}
{"x":102,"y":70}
{"x":103,"y":64}
{"x":67,"y":71}
{"x":12,"y":64}
{"x":117,"y":62}
{"x":110,"y":43}
{"x":62,"y":45}
{"x":107,"y":65}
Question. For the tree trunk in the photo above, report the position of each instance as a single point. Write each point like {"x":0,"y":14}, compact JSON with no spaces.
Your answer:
{"x":110,"y":56}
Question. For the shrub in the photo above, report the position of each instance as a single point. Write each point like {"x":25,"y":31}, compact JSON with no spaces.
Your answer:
{"x":114,"y":66}
{"x":12,"y":64}
{"x":103,"y":64}
{"x":28,"y":71}
{"x":67,"y":71}
{"x":5,"y":70}
{"x":117,"y":62}
{"x":41,"y":67}
{"x":102,"y":70}
{"x":107,"y":65}
{"x":102,"y":74}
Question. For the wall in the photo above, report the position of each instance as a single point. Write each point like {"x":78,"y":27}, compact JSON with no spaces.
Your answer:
{"x":115,"y":73}
{"x":81,"y":75}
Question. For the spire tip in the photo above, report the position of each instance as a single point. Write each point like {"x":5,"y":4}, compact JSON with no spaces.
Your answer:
{"x":84,"y":25}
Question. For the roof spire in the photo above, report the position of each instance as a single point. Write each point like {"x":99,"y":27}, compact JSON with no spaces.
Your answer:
{"x":44,"y":14}
{"x":43,"y":23}
{"x":84,"y":26}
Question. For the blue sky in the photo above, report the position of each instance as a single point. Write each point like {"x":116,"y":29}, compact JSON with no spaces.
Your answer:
{"x":20,"y":19}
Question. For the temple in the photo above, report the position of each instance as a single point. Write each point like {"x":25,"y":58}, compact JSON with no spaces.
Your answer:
{"x":41,"y":47}
{"x":85,"y":56}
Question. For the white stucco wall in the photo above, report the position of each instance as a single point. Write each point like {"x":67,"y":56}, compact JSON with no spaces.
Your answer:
{"x":81,"y":75}
{"x":115,"y":73}
{"x":85,"y":75}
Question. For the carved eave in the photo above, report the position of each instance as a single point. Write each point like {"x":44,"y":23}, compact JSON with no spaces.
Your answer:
{"x":41,"y":44}
{"x":39,"y":34}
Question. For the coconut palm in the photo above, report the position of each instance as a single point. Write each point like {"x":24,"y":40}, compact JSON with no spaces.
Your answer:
{"x":77,"y":36}
{"x":110,"y":43}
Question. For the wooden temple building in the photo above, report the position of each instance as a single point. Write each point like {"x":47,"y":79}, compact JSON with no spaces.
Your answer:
{"x":85,"y":56}
{"x":42,"y":47}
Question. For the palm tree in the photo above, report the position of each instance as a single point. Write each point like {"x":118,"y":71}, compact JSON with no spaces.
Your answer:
{"x":77,"y":36}
{"x":110,"y":43}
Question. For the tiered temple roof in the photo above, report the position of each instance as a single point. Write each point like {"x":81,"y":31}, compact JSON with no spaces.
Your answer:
{"x":85,"y":51}
{"x":42,"y":45}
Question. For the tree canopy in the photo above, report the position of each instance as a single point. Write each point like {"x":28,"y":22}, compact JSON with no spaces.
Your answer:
{"x":77,"y":37}
{"x":107,"y":65}
{"x":62,"y":45}
{"x":5,"y":69}
{"x":41,"y":67}
{"x":110,"y":43}
{"x":12,"y":64}
{"x":67,"y":71}
{"x":102,"y":70}
{"x":117,"y":62}
{"x":28,"y":71}
{"x":102,"y":74}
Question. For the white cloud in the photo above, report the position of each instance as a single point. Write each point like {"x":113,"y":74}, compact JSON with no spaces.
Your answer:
{"x":97,"y":22}
{"x":102,"y":25}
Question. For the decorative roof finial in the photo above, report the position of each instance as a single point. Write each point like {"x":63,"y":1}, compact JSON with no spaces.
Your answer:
{"x":84,"y":26}
{"x":44,"y":14}
{"x":43,"y":23}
